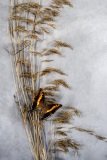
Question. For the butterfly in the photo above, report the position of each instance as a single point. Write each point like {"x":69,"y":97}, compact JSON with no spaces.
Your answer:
{"x":44,"y":109}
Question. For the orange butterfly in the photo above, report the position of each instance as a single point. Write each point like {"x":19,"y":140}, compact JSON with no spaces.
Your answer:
{"x":40,"y":105}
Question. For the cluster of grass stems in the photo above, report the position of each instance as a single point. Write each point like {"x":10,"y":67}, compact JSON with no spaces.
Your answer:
{"x":29,"y":23}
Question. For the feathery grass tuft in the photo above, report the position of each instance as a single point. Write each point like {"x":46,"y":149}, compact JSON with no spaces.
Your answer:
{"x":62,"y":44}
{"x":60,"y":82}
{"x":49,"y":70}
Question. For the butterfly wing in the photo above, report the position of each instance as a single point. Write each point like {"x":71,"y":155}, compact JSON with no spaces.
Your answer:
{"x":38,"y":100}
{"x":51,"y":109}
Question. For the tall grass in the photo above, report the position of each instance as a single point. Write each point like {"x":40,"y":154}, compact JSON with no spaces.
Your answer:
{"x":29,"y":23}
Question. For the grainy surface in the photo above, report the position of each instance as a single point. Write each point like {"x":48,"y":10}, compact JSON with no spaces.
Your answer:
{"x":85,"y":27}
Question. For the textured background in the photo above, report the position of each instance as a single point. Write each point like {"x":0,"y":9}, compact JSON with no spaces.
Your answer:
{"x":85,"y":27}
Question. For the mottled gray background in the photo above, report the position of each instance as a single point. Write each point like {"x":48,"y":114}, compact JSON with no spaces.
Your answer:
{"x":85,"y":27}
